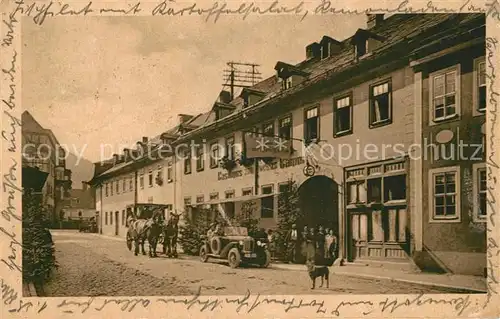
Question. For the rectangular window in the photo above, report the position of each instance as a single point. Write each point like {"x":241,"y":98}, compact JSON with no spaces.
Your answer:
{"x":131,"y":183}
{"x":105,"y":218}
{"x":342,"y":116}
{"x":200,"y":199}
{"x":283,"y":188}
{"x":395,"y":188}
{"x":111,"y":218}
{"x":141,"y":180}
{"x":374,"y":186}
{"x":117,"y":185}
{"x":380,"y":104}
{"x":230,"y":148}
{"x":285,"y":127}
{"x":481,"y":86}
{"x":187,"y":162}
{"x":150,"y":178}
{"x":445,"y":194}
{"x":124,"y":185}
{"x":268,"y":129}
{"x":267,"y":203}
{"x":230,"y":194}
{"x":444,"y":97}
{"x":311,"y":125}
{"x":214,"y":155}
{"x":356,"y":192}
{"x":480,"y":192}
{"x":287,"y":83}
{"x":169,"y":172}
{"x":111,"y":188}
{"x":255,"y":132}
{"x":187,"y":203}
{"x":159,"y":174}
{"x":246,"y":191}
{"x":200,"y":159}
{"x":214,"y":196}
{"x":106,"y":190}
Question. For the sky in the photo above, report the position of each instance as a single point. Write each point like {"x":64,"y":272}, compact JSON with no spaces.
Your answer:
{"x":112,"y":80}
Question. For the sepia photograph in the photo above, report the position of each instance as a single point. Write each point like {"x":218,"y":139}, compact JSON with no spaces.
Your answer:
{"x":337,"y":154}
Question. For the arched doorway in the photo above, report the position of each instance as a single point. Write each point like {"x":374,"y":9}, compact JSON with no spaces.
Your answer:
{"x":318,"y":200}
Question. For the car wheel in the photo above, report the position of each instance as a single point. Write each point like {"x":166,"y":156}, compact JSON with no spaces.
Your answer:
{"x":234,"y":258}
{"x":266,"y":259}
{"x":203,"y":254}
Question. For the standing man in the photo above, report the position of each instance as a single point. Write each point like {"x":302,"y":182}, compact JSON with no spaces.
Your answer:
{"x":291,"y":240}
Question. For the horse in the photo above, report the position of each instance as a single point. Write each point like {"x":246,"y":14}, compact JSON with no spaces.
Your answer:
{"x":170,"y":232}
{"x":145,"y":229}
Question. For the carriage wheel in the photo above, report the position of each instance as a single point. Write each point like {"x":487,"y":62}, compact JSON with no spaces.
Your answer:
{"x":129,"y":241}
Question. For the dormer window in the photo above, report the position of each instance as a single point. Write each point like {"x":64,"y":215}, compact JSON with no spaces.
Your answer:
{"x":250,"y":96}
{"x":365,"y":42}
{"x":289,"y":74}
{"x":287,"y":83}
{"x":328,"y":47}
{"x":222,"y":109}
{"x":360,"y":49}
{"x":325,"y":51}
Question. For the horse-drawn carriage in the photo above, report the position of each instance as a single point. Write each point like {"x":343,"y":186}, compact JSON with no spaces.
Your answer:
{"x":150,"y":222}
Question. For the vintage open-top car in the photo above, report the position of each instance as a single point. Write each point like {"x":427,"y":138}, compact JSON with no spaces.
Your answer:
{"x":237,"y":247}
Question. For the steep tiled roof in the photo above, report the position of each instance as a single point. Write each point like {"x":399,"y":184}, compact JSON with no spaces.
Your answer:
{"x":399,"y":28}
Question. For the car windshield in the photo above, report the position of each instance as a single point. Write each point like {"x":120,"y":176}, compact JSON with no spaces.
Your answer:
{"x":231,"y":231}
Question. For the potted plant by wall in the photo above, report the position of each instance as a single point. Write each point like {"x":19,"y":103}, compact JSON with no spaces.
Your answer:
{"x":227,"y":163}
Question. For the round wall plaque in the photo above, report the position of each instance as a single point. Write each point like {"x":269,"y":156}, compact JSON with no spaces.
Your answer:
{"x":444,"y":136}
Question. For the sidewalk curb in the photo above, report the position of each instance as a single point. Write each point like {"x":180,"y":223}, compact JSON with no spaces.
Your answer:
{"x":418,"y":282}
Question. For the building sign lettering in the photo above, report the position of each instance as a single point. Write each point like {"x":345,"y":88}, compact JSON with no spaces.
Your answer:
{"x":282,"y":163}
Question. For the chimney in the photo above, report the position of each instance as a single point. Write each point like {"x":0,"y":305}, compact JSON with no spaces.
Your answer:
{"x":115,"y":158}
{"x":373,"y":20}
{"x":84,"y":185}
{"x":313,"y":50}
{"x":144,"y":140}
{"x":182,"y":118}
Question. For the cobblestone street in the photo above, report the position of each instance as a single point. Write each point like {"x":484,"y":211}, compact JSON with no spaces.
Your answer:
{"x":91,"y":265}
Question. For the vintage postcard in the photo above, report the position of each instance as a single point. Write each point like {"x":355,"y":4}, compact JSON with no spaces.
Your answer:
{"x":266,"y":159}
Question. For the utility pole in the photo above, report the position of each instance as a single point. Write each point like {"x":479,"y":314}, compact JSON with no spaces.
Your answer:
{"x":240,"y":75}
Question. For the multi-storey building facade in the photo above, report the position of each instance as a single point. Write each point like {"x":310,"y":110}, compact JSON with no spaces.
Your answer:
{"x":368,"y":107}
{"x":80,"y":204}
{"x":41,"y":149}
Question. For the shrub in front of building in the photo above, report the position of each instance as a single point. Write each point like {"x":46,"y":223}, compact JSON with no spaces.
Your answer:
{"x":192,"y":231}
{"x":289,"y":213}
{"x":38,"y":248}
